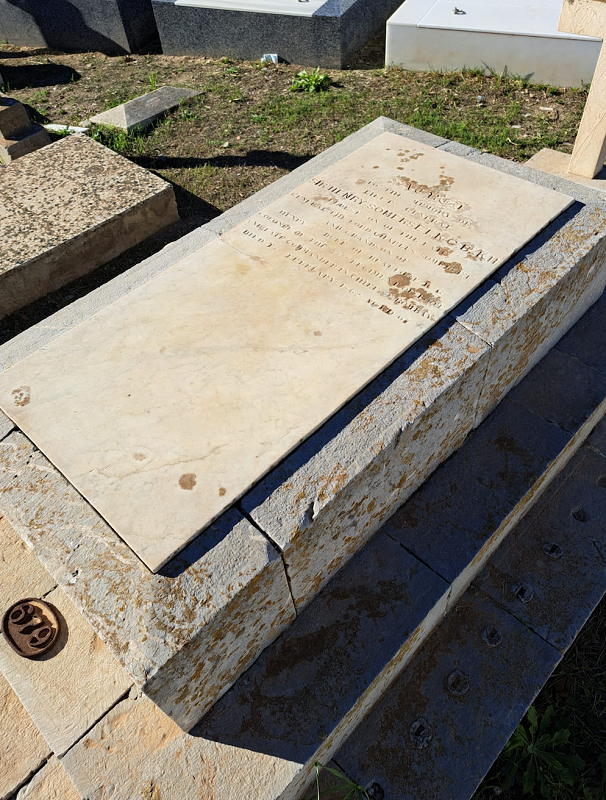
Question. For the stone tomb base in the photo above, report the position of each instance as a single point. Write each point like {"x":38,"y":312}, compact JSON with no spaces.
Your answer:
{"x":515,"y":37}
{"x":68,"y":208}
{"x":106,"y":26}
{"x":186,"y":631}
{"x":314,"y":33}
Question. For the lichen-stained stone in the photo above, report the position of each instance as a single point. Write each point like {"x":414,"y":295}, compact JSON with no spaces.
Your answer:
{"x":299,"y":700}
{"x":310,"y":688}
{"x":444,"y":720}
{"x":551,"y":570}
{"x":184,"y":635}
{"x":324,"y":502}
{"x":100,"y":205}
{"x":136,"y":751}
{"x":51,"y":783}
{"x":536,"y":298}
{"x":73,"y":685}
{"x":22,"y":748}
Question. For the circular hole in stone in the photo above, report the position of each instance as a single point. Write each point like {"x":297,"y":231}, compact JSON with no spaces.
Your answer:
{"x":492,"y":636}
{"x":580,"y":514}
{"x":457,"y":683}
{"x":602,"y":481}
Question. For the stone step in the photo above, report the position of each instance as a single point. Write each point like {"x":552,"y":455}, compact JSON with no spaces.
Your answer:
{"x":536,"y":591}
{"x":13,"y":118}
{"x":191,"y":628}
{"x":399,"y":621}
{"x":22,"y":143}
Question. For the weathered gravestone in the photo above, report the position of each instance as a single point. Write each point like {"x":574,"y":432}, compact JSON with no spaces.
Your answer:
{"x":165,"y":408}
{"x":160,"y":403}
{"x":584,"y":17}
{"x":66,"y":209}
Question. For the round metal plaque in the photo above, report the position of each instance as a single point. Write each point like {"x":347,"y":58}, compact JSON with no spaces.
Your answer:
{"x":31,"y":627}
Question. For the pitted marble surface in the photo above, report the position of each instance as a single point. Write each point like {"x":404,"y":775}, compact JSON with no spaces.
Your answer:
{"x":166,"y":407}
{"x":90,"y":184}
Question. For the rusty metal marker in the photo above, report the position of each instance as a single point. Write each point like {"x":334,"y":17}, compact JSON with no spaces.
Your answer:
{"x":31,"y":627}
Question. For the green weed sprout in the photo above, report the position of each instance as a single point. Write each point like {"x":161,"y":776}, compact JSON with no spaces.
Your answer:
{"x":310,"y":81}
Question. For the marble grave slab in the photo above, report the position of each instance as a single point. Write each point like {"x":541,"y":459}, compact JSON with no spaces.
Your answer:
{"x":168,"y":405}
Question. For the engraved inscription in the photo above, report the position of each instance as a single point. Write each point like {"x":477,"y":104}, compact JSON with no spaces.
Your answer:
{"x":386,"y":237}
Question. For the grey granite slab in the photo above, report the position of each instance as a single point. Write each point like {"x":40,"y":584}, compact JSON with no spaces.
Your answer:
{"x":422,"y":740}
{"x":328,"y":37}
{"x":139,"y":113}
{"x":107,"y":26}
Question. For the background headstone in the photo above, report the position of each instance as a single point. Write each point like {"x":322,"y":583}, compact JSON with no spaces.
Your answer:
{"x":106,"y":26}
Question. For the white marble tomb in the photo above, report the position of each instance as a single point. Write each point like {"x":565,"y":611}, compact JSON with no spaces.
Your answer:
{"x":518,"y":36}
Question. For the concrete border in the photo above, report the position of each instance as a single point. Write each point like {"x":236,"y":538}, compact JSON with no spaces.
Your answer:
{"x":186,"y":634}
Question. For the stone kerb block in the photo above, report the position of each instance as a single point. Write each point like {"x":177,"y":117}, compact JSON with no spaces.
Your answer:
{"x":319,"y":32}
{"x":186,"y":633}
{"x":107,"y":26}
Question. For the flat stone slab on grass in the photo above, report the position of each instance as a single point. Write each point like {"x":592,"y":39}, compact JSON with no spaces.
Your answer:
{"x":516,"y":37}
{"x":68,"y":208}
{"x":142,"y":111}
{"x":314,"y":33}
{"x":166,"y":407}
